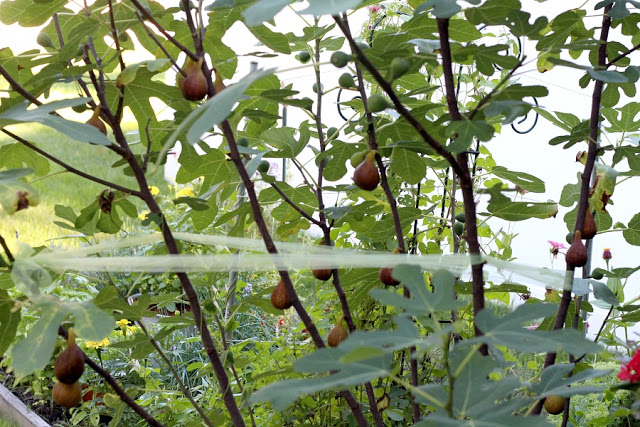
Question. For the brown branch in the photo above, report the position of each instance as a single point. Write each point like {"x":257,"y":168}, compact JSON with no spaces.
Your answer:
{"x":294,"y":206}
{"x":400,"y":108}
{"x":116,"y":387}
{"x":18,"y":88}
{"x":488,"y":96}
{"x":71,"y":168}
{"x":622,"y":55}
{"x":81,"y":82}
{"x":161,"y":46}
{"x":326,"y":229}
{"x":466,"y":183}
{"x":7,"y":252}
{"x":116,"y":39}
{"x":583,"y":203}
{"x":164,"y":32}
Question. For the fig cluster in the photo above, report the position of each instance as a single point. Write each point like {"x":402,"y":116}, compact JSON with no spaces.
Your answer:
{"x":68,"y":369}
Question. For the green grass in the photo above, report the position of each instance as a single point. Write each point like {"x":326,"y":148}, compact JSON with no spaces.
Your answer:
{"x":6,"y":422}
{"x":35,"y":226}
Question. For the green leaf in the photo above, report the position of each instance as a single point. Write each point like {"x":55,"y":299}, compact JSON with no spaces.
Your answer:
{"x":9,"y":321}
{"x":508,"y":331}
{"x":632,"y":233}
{"x":91,"y":323}
{"x":554,"y":380}
{"x":17,"y":155}
{"x":408,"y":165}
{"x":329,"y":7}
{"x":109,"y":299}
{"x":521,"y":179}
{"x":603,"y":189}
{"x":78,"y":131}
{"x":128,"y":75}
{"x":284,"y":393}
{"x":28,"y":13}
{"x":603,"y":293}
{"x":464,"y":132}
{"x":623,"y":119}
{"x":502,"y":207}
{"x":263,"y":10}
{"x":34,"y":352}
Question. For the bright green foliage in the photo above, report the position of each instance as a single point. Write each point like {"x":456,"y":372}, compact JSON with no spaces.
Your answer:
{"x":110,"y":255}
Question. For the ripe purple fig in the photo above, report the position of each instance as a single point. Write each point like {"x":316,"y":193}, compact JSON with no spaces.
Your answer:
{"x":195,"y":86}
{"x":589,"y":228}
{"x":366,"y":175}
{"x":69,"y":365}
{"x":386,"y":278}
{"x":576,"y":255}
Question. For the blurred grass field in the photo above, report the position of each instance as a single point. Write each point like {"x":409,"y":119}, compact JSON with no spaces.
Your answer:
{"x":35,"y":226}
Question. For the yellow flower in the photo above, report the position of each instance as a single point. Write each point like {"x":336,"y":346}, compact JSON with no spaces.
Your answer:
{"x":132,"y":329}
{"x":154,"y":190}
{"x":186,"y":192}
{"x":123,"y":323}
{"x":97,"y":344}
{"x":143,"y":215}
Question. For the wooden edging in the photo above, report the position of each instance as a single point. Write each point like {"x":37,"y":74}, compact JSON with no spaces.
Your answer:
{"x":11,"y":407}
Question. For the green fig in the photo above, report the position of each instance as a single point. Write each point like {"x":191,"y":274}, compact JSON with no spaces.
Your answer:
{"x":340,"y":59}
{"x":44,"y":40}
{"x":69,"y":365}
{"x":554,"y":404}
{"x":332,"y":132}
{"x":304,"y":56}
{"x":195,"y":86}
{"x":377,"y":103}
{"x":337,"y":334}
{"x":358,"y":158}
{"x":366,"y":175}
{"x":399,"y":67}
{"x":243,"y":142}
{"x":597,"y":274}
{"x":264,"y":166}
{"x":315,"y":87}
{"x":280,"y":298}
{"x":346,"y":81}
{"x":458,"y":228}
{"x":461,"y":217}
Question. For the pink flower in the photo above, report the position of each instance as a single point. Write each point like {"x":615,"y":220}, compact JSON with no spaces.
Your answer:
{"x":555,"y":247}
{"x":374,"y":9}
{"x":606,"y":254}
{"x":630,"y":371}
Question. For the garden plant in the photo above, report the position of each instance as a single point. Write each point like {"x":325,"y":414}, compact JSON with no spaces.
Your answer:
{"x":365,"y":286}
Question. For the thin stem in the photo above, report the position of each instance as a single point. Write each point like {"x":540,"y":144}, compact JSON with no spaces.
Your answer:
{"x":175,"y":374}
{"x":70,"y":168}
{"x":164,"y":32}
{"x":294,"y":205}
{"x":121,"y":89}
{"x":161,"y":46}
{"x":622,"y":55}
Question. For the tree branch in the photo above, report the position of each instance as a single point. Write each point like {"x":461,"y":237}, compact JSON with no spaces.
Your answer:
{"x":18,"y":88}
{"x":466,"y":183}
{"x":622,"y":55}
{"x":164,"y":32}
{"x":583,"y":203}
{"x":7,"y":252}
{"x":295,"y":206}
{"x":70,"y":168}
